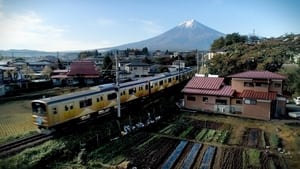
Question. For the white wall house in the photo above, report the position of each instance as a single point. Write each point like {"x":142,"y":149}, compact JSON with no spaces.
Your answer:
{"x":138,"y":69}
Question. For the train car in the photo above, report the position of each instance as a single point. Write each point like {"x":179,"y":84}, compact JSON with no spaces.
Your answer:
{"x":53,"y":111}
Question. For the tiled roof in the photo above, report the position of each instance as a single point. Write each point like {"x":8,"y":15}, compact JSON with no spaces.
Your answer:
{"x":258,"y":75}
{"x":258,"y":95}
{"x":211,"y":83}
{"x":224,"y":91}
{"x":140,"y":64}
{"x":83,"y":68}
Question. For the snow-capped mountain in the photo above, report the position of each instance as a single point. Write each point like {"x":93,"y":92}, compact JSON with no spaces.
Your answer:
{"x":189,"y":35}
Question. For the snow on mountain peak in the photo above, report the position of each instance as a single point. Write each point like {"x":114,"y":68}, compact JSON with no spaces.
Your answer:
{"x":188,"y":23}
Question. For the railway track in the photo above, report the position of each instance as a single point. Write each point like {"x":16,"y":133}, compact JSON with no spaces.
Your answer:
{"x":20,"y":144}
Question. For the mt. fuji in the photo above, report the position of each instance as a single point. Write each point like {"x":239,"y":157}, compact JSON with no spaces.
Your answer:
{"x":189,"y":35}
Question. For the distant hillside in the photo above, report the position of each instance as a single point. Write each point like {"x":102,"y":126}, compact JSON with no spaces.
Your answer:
{"x":189,"y":35}
{"x":34,"y":53}
{"x":265,"y":54}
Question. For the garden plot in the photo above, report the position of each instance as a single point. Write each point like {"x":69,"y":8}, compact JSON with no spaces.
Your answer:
{"x":152,"y":153}
{"x":205,"y":131}
{"x":257,"y":138}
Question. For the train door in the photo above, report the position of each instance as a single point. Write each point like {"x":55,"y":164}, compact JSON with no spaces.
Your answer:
{"x":55,"y":115}
{"x":69,"y":112}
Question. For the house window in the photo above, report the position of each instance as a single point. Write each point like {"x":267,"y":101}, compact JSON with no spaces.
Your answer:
{"x":248,"y":84}
{"x":221,"y":101}
{"x":259,"y":84}
{"x":250,"y":101}
{"x":191,"y":98}
{"x":205,"y":99}
{"x":277,"y":85}
{"x":238,"y":101}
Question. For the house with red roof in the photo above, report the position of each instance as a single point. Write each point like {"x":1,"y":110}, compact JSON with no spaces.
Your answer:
{"x":83,"y":72}
{"x":252,"y":94}
{"x":208,"y":94}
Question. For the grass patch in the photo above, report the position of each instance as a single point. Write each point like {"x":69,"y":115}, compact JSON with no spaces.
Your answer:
{"x":274,"y":140}
{"x":254,"y":155}
{"x":35,"y":157}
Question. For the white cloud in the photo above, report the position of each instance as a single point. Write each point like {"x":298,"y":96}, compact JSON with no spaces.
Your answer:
{"x":29,"y":31}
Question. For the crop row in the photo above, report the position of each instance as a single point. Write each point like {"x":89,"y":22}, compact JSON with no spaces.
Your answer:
{"x":211,"y":135}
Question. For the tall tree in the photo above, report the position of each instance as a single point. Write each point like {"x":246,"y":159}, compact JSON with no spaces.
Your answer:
{"x":107,"y":63}
{"x":145,"y":51}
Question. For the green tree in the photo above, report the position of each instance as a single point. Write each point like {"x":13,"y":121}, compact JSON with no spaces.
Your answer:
{"x":147,"y":60}
{"x":218,"y":44}
{"x":107,"y":63}
{"x":145,"y":51}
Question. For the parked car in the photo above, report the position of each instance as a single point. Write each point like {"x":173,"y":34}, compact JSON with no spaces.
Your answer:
{"x":297,"y":101}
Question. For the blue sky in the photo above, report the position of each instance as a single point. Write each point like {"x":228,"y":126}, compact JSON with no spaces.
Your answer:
{"x":57,"y":25}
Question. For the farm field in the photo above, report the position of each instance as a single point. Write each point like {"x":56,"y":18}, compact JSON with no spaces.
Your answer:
{"x":15,"y":119}
{"x":185,"y":140}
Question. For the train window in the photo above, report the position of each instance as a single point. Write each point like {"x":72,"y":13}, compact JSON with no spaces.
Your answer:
{"x":66,"y":108}
{"x":176,"y":77}
{"x":111,"y":96}
{"x":161,"y":82}
{"x":54,"y":110}
{"x":85,"y":103}
{"x":169,"y":80}
{"x":98,"y":99}
{"x":124,"y":92}
{"x":101,"y":98}
{"x":38,"y":108}
{"x":71,"y":107}
{"x":146,"y":87}
{"x":132,"y":91}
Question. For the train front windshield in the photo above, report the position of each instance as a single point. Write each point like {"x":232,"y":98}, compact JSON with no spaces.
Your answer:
{"x":38,"y":108}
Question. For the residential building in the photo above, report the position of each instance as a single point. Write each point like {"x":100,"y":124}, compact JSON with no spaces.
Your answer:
{"x":260,"y":93}
{"x":252,"y":94}
{"x":83,"y":72}
{"x":138,"y":69}
{"x":208,"y":94}
{"x":59,"y":77}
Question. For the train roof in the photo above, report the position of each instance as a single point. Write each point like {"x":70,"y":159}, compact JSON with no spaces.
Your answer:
{"x":104,"y":88}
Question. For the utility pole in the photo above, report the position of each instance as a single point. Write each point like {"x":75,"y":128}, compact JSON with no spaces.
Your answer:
{"x":197,"y":58}
{"x":118,"y":86}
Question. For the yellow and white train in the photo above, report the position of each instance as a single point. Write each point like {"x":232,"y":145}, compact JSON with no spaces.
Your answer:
{"x":54,"y":111}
